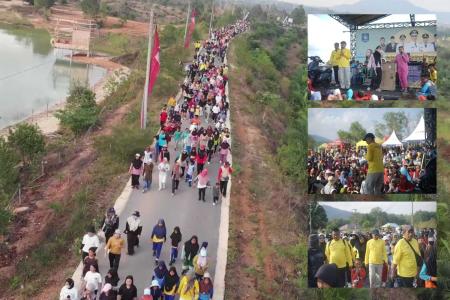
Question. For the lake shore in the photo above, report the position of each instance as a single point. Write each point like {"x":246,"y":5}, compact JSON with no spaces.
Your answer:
{"x":45,"y":118}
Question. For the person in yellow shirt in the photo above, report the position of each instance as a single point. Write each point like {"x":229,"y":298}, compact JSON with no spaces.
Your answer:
{"x":334,"y":57}
{"x":433,"y":73}
{"x":404,"y":263}
{"x":337,"y":251}
{"x":189,"y":288}
{"x":114,"y":248}
{"x":344,"y":66}
{"x":171,"y":102}
{"x":374,"y":157}
{"x":375,"y":257}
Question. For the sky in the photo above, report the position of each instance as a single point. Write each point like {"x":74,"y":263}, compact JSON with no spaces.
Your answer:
{"x":324,"y":31}
{"x":392,"y":207}
{"x":326,"y":122}
{"x":433,"y":5}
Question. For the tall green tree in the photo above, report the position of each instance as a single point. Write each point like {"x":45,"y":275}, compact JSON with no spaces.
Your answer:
{"x":397,"y":121}
{"x":355,"y":133}
{"x":318,"y":216}
{"x":8,"y":171}
{"x":90,"y":7}
{"x":28,"y":141}
{"x":298,"y":15}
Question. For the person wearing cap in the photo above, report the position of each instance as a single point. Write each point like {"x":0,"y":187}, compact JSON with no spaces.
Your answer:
{"x":110,"y":223}
{"x":133,"y":229}
{"x":402,"y":61}
{"x":344,"y":66}
{"x":338,"y":251}
{"x":406,"y":259}
{"x":330,"y":187}
{"x":413,"y":46}
{"x":189,"y":287}
{"x":135,"y":170}
{"x":375,"y":258}
{"x":327,"y":276}
{"x":90,"y":240}
{"x":375,"y":172}
{"x":171,"y":282}
{"x":147,"y":294}
{"x":114,"y":248}
{"x":158,"y":237}
{"x":206,"y":290}
{"x":426,"y":46}
{"x":201,"y":261}
{"x":155,"y":290}
{"x":392,"y":46}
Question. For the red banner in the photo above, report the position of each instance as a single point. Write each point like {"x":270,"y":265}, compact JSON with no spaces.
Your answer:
{"x":154,"y":62}
{"x":191,"y":28}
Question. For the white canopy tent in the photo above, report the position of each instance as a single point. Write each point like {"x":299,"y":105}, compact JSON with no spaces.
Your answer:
{"x":392,"y":140}
{"x":391,"y":225}
{"x":418,"y":134}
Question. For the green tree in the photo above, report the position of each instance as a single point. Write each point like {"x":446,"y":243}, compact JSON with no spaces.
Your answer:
{"x":90,"y":7}
{"x":81,"y":111}
{"x":43,"y":3}
{"x":8,"y":172}
{"x":28,"y":141}
{"x":318,"y":216}
{"x":298,"y":15}
{"x":355,"y":134}
{"x":397,"y":121}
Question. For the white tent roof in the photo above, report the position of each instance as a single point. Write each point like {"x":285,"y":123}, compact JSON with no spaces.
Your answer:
{"x":419,"y":133}
{"x":392,"y":225}
{"x":392,"y":140}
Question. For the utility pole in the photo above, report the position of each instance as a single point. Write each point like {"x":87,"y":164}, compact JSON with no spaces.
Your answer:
{"x":187,"y":20}
{"x":147,"y":76}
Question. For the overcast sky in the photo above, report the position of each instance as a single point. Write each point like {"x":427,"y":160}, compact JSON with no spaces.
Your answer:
{"x":432,"y":5}
{"x":324,"y":31}
{"x":392,"y":207}
{"x":326,"y":122}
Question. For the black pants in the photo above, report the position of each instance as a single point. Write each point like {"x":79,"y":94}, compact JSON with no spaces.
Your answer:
{"x":223,"y":187}
{"x":175,"y":183}
{"x":135,"y":180}
{"x":182,"y":171}
{"x":377,"y":80}
{"x":114,"y":260}
{"x":336,"y":71}
{"x":201,"y":194}
{"x":199,"y":168}
{"x":341,"y":277}
{"x":132,"y":240}
{"x":406,"y":282}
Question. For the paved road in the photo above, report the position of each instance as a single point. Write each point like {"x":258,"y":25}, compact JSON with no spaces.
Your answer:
{"x":184,"y":210}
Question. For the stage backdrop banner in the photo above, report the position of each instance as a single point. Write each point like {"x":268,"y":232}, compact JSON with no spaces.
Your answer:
{"x":419,"y":42}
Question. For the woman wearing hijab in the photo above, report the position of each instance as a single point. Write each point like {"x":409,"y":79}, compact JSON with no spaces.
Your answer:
{"x":155,"y":290}
{"x":189,"y":287}
{"x":176,"y":174}
{"x":68,"y":290}
{"x":160,"y":272}
{"x":191,"y":248}
{"x":136,"y":170}
{"x":202,"y":183}
{"x":110,"y":223}
{"x":206,"y":290}
{"x":201,"y":158}
{"x":164,"y":169}
{"x":201,"y":261}
{"x":170,"y":284}
{"x":175,"y":238}
{"x":158,"y":237}
{"x":133,"y":230}
{"x":107,"y":293}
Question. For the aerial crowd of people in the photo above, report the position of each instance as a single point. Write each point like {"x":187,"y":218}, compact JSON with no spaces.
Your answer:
{"x":204,"y":107}
{"x":389,"y":257}
{"x":345,"y":170}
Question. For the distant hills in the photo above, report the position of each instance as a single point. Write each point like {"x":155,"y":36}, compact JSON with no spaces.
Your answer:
{"x":319,"y":139}
{"x":336,"y":213}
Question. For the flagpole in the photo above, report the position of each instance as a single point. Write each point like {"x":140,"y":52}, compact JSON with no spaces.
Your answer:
{"x":187,"y":19}
{"x":147,"y":76}
{"x":211,"y":19}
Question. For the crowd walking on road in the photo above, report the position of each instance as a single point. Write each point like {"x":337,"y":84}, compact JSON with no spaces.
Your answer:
{"x":203,"y":109}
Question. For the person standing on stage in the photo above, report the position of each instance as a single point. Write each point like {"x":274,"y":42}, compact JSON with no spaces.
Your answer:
{"x":334,"y":61}
{"x":344,"y":66}
{"x":402,"y":60}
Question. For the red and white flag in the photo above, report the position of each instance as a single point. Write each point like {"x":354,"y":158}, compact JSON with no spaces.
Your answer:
{"x":191,"y":28}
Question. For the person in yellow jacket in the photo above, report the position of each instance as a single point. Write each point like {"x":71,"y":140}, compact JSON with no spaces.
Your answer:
{"x":338,"y":251}
{"x":344,"y":66}
{"x":114,"y":248}
{"x":375,"y":258}
{"x":374,"y":157}
{"x":171,"y":102}
{"x":334,"y":61}
{"x":404,"y":263}
{"x":189,"y":288}
{"x":197,"y":45}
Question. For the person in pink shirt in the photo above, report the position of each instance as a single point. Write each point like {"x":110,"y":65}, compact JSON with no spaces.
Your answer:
{"x":402,"y":60}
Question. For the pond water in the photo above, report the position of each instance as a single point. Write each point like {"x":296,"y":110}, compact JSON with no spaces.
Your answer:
{"x":34,"y":76}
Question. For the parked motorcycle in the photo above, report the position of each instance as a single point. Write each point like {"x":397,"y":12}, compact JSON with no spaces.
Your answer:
{"x":318,"y":73}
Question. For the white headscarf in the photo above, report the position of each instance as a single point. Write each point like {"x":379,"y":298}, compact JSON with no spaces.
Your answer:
{"x":133,"y":222}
